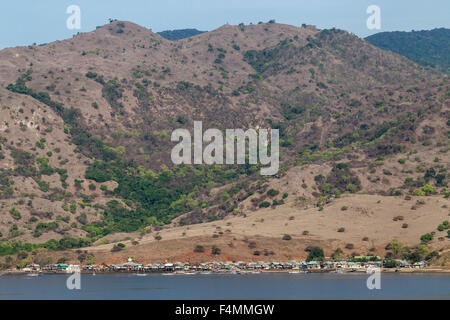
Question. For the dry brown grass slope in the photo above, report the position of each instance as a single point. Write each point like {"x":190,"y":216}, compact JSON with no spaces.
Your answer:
{"x":335,"y":98}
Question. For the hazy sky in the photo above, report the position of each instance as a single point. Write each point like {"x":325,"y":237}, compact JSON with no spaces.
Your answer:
{"x":25,"y":22}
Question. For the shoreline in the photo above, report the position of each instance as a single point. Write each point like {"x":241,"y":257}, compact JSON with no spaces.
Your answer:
{"x":241,"y":272}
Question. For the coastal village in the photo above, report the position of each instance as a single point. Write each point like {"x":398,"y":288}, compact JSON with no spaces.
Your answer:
{"x":238,"y":267}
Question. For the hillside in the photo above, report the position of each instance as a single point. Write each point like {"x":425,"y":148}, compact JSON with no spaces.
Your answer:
{"x":179,"y":34}
{"x":86,"y":124}
{"x":426,"y":47}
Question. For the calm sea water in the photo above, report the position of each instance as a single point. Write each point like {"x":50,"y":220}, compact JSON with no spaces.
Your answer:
{"x":215,"y":286}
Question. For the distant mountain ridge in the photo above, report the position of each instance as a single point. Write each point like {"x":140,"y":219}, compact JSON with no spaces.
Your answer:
{"x":426,"y":47}
{"x":179,"y":34}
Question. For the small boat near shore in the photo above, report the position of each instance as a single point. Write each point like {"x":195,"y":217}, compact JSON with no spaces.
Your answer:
{"x":180,"y":272}
{"x":33,"y":274}
{"x":205,"y":272}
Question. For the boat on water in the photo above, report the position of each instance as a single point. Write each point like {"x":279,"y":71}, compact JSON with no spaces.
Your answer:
{"x":33,"y":274}
{"x":239,"y":271}
{"x":140,"y":274}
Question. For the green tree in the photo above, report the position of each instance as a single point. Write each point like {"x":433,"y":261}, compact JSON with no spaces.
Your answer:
{"x":215,"y":250}
{"x":428,"y":189}
{"x":337,"y":254}
{"x":427,"y":237}
{"x":396,"y":247}
{"x":316,"y":254}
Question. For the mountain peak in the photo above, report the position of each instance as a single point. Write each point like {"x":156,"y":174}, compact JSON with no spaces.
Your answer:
{"x":127,"y":28}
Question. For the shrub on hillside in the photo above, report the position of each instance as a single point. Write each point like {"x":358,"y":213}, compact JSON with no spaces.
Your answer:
{"x":272,"y":192}
{"x":316,"y":254}
{"x":264,"y":204}
{"x":199,"y":249}
{"x":215,"y":250}
{"x":340,"y":179}
{"x":15,"y":213}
